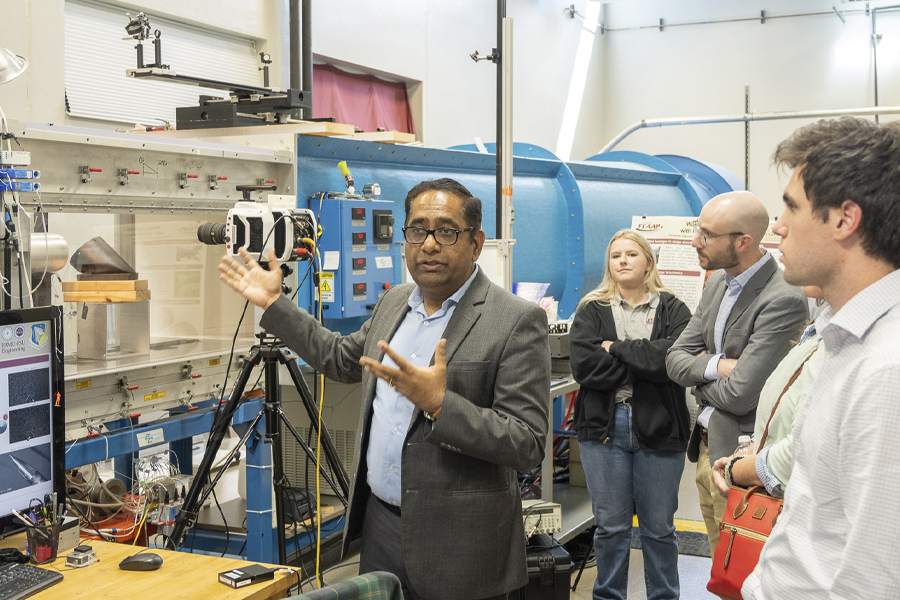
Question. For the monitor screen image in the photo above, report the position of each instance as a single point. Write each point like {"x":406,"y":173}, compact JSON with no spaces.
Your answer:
{"x":31,"y":408}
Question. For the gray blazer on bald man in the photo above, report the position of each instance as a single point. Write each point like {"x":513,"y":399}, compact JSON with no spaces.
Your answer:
{"x":462,"y":530}
{"x":766,"y":317}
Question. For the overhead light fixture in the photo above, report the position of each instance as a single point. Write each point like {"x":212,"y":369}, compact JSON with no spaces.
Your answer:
{"x":11,"y":65}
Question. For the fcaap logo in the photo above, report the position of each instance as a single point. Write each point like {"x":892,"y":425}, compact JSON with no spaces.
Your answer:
{"x":648,"y":226}
{"x":38,"y":335}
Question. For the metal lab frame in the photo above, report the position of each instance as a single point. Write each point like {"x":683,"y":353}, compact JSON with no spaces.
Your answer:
{"x":261,"y":539}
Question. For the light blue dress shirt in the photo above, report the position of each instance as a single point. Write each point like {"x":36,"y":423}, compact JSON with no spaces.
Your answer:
{"x":415,"y":341}
{"x":735,"y":287}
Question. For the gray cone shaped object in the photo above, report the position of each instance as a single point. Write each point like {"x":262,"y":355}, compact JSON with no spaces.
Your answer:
{"x":98,"y":257}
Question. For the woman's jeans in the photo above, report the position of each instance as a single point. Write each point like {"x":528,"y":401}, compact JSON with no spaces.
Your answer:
{"x":620,"y":474}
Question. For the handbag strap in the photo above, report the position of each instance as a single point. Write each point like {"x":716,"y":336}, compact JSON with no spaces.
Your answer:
{"x":762,"y":441}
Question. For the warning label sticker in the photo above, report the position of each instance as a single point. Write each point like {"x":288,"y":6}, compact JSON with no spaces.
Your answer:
{"x":326,"y":287}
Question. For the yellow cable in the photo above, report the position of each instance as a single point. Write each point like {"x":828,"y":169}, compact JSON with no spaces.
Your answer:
{"x":138,"y":533}
{"x":319,"y":437}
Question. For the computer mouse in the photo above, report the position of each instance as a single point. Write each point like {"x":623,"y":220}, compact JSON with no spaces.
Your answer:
{"x":143,"y":561}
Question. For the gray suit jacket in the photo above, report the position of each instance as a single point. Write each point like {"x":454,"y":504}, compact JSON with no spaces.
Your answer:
{"x":768,"y":314}
{"x":462,"y":529}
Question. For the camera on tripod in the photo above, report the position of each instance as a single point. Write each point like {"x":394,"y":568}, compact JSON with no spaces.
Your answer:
{"x":257,"y":228}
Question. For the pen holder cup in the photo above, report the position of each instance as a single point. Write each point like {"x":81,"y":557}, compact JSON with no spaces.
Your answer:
{"x":42,"y":542}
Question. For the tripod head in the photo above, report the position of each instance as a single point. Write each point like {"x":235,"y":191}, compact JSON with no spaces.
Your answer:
{"x":267,"y":339}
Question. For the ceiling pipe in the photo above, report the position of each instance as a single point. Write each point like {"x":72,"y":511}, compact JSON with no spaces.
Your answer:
{"x":762,"y":116}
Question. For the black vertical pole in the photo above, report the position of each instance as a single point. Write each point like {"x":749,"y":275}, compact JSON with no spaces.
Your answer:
{"x":296,"y":60}
{"x":498,"y":57}
{"x":306,"y":19}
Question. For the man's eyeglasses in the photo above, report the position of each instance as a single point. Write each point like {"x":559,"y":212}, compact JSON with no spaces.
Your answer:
{"x":445,"y":236}
{"x":705,"y":237}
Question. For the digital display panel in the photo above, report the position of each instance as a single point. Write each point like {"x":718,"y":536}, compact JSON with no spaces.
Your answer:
{"x":31,"y":412}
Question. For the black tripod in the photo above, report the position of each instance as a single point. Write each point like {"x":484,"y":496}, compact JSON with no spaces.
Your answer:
{"x":271,"y":352}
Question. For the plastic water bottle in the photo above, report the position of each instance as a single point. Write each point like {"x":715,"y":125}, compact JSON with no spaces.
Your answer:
{"x":745,"y":445}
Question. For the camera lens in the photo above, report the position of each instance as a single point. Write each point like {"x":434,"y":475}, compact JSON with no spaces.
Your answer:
{"x":211,"y":233}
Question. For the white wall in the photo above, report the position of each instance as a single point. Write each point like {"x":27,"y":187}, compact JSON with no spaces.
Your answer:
{"x":35,"y":29}
{"x":799,"y":63}
{"x":430,"y":41}
{"x":421,"y":40}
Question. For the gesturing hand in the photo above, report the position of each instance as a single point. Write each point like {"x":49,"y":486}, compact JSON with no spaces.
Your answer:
{"x":257,"y":285}
{"x":424,"y":386}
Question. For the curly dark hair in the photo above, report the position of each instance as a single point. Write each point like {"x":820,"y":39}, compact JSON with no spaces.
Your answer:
{"x":471,"y":206}
{"x":852,"y":159}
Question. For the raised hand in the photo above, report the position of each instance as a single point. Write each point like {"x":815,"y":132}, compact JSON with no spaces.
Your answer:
{"x":424,"y":386}
{"x":254,"y":283}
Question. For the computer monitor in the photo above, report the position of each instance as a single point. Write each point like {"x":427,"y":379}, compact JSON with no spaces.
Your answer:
{"x":32,"y":405}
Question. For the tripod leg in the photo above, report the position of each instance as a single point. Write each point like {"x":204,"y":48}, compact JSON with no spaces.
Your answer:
{"x":187,"y":516}
{"x":310,"y":454}
{"x":273,"y":432}
{"x":587,"y":556}
{"x":331,"y":456}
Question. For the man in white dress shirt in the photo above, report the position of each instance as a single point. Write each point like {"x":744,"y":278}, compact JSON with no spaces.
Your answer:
{"x":841,"y":232}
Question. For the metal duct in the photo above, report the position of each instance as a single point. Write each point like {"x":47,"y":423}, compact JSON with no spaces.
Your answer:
{"x":49,"y":253}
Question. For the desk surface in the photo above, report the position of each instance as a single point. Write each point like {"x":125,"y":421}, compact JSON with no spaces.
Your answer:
{"x":182,"y":576}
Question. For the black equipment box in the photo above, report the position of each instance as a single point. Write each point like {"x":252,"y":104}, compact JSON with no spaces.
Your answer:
{"x":549,"y":575}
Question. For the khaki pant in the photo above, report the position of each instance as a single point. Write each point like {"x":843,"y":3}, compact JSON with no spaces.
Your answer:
{"x":712,"y":504}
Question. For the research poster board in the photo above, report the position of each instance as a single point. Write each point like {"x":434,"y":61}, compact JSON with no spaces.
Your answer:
{"x":677,"y":263}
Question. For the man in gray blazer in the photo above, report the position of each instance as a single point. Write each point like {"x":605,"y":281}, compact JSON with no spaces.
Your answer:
{"x":741,"y":330}
{"x":455,"y":376}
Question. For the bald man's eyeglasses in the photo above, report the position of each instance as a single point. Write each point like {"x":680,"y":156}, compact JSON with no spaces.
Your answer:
{"x":705,"y":237}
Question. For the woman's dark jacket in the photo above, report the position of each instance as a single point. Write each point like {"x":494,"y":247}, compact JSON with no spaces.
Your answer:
{"x":660,"y":417}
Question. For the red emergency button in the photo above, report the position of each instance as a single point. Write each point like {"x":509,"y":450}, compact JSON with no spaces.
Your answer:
{"x":387,"y":285}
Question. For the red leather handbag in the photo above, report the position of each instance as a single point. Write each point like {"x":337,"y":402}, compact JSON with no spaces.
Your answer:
{"x":749,"y":519}
{"x":747,"y":524}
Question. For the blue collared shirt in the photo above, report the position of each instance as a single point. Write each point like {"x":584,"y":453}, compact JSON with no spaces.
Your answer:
{"x":415,"y":340}
{"x":735,"y":287}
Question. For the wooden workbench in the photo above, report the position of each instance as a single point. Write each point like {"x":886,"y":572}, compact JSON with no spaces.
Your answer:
{"x":182,"y":576}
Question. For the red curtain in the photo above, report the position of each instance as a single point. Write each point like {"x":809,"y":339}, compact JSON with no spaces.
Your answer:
{"x":361,"y":100}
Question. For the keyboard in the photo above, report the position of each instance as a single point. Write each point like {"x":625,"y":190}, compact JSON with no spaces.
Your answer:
{"x":18,"y":581}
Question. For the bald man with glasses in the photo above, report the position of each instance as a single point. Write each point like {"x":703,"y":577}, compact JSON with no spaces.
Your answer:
{"x":455,"y":376}
{"x":743,"y":327}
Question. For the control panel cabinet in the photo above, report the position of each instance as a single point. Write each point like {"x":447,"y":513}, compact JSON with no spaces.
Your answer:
{"x":357,"y":255}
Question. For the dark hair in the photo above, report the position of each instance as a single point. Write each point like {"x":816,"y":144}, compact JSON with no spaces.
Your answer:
{"x":852,"y":159}
{"x":471,"y":206}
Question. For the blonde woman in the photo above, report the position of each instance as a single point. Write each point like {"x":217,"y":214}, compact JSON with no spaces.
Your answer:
{"x":632,"y":420}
